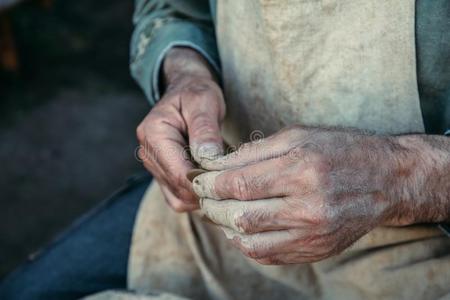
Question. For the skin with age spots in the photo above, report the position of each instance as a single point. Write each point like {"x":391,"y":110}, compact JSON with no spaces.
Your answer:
{"x":306,"y":194}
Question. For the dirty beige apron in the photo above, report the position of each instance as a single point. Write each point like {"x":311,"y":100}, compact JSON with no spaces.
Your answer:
{"x":325,"y":63}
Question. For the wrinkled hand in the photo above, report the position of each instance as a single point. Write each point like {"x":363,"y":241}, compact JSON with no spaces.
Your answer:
{"x":303,"y":194}
{"x":187,"y":116}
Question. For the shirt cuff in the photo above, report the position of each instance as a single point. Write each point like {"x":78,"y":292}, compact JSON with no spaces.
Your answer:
{"x":446,"y":227}
{"x":150,"y":52}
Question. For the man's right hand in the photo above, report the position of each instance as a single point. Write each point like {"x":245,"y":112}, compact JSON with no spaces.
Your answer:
{"x":188,"y":116}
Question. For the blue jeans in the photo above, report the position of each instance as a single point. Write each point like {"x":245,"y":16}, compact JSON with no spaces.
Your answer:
{"x":91,"y":256}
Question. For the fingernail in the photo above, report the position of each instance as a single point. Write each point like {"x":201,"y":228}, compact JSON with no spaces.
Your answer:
{"x":203,"y":185}
{"x":209,"y":151}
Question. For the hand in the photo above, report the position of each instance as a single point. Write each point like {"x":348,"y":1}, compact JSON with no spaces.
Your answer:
{"x":188,"y":115}
{"x":305,"y":194}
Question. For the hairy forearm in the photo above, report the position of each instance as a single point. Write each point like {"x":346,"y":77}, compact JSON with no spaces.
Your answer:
{"x":422,"y":180}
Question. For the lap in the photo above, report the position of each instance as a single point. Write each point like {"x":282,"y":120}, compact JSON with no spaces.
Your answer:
{"x":194,"y":259}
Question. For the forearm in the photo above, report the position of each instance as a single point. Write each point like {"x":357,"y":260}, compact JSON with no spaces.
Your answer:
{"x":422,"y":180}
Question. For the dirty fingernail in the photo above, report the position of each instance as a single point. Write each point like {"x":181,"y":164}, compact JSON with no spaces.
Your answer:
{"x":203,"y":185}
{"x":209,"y":151}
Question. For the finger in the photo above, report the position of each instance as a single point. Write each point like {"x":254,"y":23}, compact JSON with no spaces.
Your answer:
{"x":174,"y":202}
{"x":203,"y":117}
{"x":283,"y":246}
{"x":179,"y":205}
{"x":266,"y":179}
{"x":274,"y":146}
{"x":181,"y":193}
{"x":290,"y":258}
{"x":172,"y":159}
{"x":260,"y":245}
{"x":249,"y":217}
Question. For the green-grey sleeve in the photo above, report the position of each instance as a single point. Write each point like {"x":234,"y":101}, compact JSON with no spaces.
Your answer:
{"x":161,"y":25}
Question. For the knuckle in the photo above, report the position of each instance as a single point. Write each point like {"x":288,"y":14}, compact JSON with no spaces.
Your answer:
{"x":310,"y":154}
{"x":296,"y":153}
{"x":243,"y":224}
{"x":320,"y":213}
{"x":203,"y":123}
{"x":252,"y":251}
{"x":240,"y":187}
{"x":145,"y":133}
{"x":140,"y":133}
{"x":317,"y":177}
{"x":332,"y":215}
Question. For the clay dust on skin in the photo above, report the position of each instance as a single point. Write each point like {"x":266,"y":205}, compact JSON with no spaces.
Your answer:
{"x":258,"y":241}
{"x":204,"y":185}
{"x":230,"y":213}
{"x":241,"y":216}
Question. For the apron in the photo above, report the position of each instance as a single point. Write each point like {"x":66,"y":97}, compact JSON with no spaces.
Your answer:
{"x":320,"y":63}
{"x":347,"y":63}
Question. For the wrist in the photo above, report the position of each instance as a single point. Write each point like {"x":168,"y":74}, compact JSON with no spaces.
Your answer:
{"x":183,"y":62}
{"x":413,"y":182}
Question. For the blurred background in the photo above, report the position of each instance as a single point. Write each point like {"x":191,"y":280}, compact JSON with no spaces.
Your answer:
{"x":68,"y":113}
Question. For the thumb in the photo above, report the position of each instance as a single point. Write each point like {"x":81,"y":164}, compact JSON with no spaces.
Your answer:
{"x":205,"y":139}
{"x":203,"y":117}
{"x":203,"y":113}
